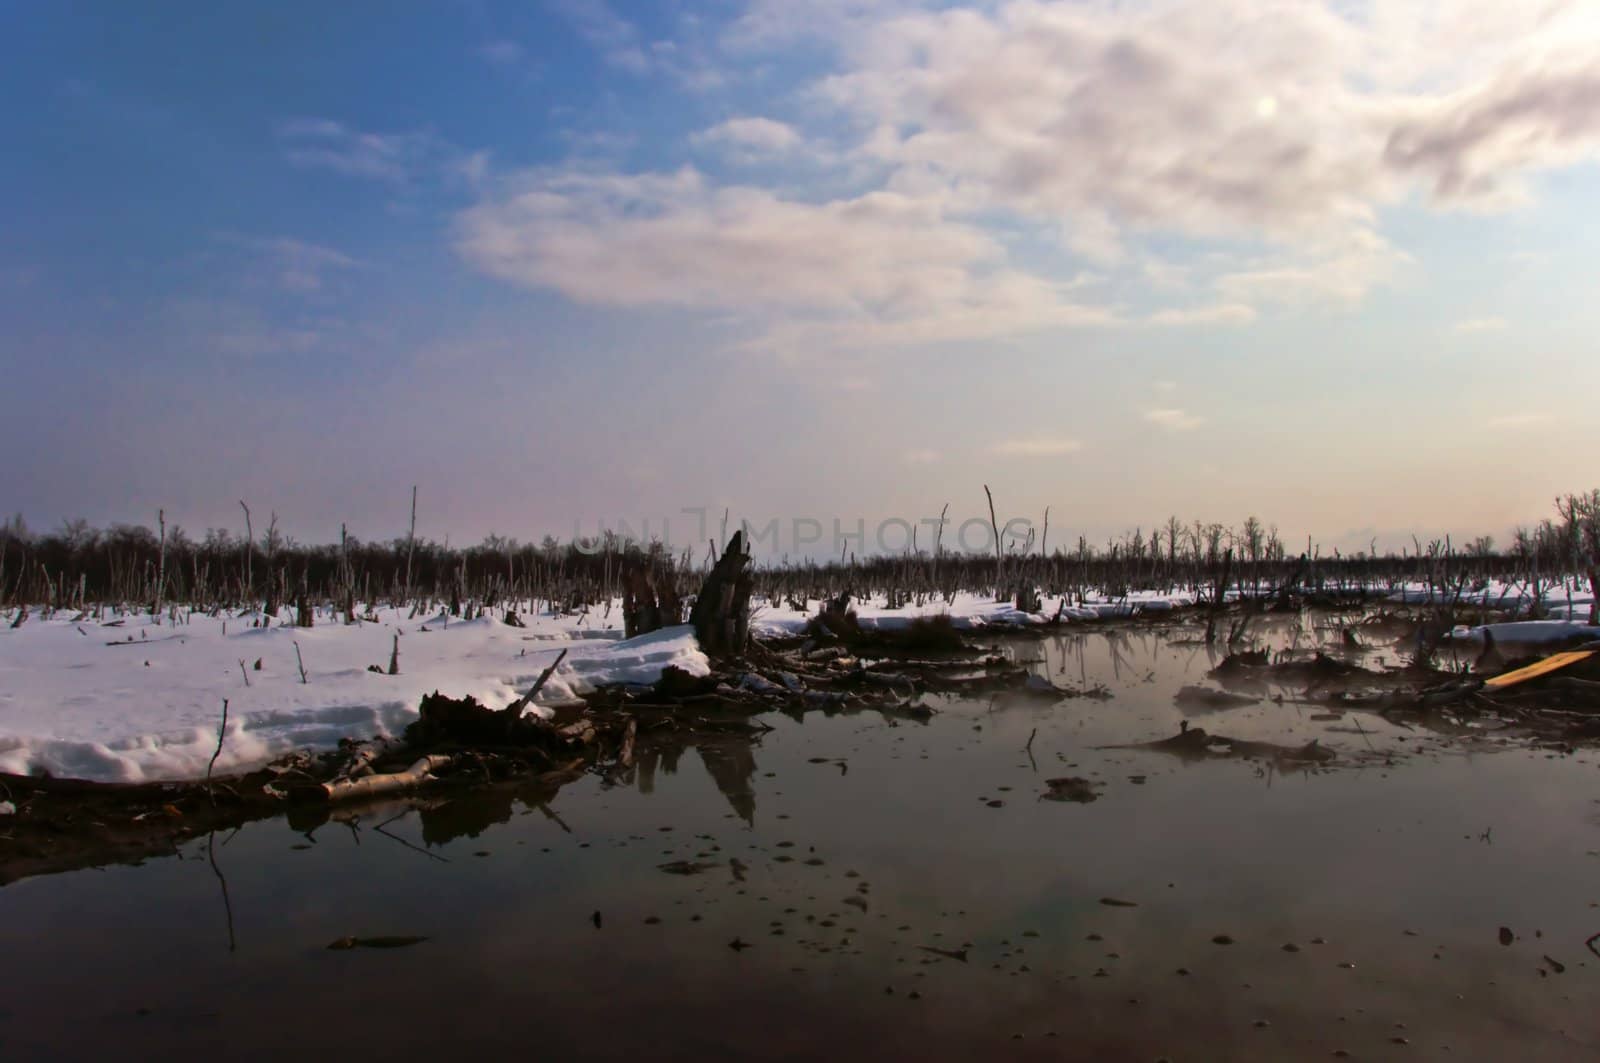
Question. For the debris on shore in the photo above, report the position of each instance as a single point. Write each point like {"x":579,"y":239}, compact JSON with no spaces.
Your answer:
{"x":836,"y":664}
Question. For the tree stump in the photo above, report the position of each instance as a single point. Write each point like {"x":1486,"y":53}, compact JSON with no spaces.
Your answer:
{"x":721,"y":612}
{"x":649,"y":597}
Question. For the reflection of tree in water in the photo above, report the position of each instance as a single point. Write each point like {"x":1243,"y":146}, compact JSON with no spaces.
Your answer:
{"x":469,"y":815}
{"x":731,"y":765}
{"x":730,"y":761}
{"x":663,"y":754}
{"x":474,"y":812}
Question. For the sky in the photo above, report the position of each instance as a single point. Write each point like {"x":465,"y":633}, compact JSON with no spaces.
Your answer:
{"x":565,"y":263}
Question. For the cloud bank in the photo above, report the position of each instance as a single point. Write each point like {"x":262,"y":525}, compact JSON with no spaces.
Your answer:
{"x":1267,"y":139}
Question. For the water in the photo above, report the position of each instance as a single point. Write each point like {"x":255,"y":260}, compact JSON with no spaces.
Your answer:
{"x":1405,"y":858}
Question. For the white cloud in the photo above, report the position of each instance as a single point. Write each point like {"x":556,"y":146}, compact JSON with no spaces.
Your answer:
{"x":613,"y":36}
{"x":472,"y":168}
{"x":777,"y":24}
{"x":622,"y":46}
{"x":301,"y":264}
{"x":1339,"y":270}
{"x":1257,"y":151}
{"x":677,"y":239}
{"x":1221,"y":314}
{"x":1146,"y":115}
{"x":320,"y":143}
{"x":1173,"y":420}
{"x":1036,"y":447}
{"x":1482,"y":324}
{"x":875,"y":270}
{"x":751,"y":136}
{"x":1216,"y":121}
{"x":295,"y":265}
{"x":1474,"y":145}
{"x":1164,"y":274}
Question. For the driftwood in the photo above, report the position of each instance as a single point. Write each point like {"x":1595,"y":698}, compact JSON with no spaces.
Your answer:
{"x":335,"y":790}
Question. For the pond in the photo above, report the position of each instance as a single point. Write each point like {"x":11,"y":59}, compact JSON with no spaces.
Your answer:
{"x":857,"y":885}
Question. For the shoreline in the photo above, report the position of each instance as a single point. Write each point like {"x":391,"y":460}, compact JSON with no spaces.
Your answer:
{"x":63,"y":824}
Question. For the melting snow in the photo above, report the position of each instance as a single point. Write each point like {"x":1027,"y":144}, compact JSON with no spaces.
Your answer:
{"x":81,"y":700}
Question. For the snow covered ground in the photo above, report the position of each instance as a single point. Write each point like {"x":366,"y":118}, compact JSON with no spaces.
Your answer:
{"x":967,"y":612}
{"x":81,"y":700}
{"x":138,"y":697}
{"x":141,"y":697}
{"x":1567,"y":599}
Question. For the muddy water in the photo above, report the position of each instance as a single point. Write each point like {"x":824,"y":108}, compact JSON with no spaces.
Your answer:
{"x":1363,"y":901}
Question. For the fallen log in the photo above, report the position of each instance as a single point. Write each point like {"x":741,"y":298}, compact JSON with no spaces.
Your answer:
{"x":336,"y":790}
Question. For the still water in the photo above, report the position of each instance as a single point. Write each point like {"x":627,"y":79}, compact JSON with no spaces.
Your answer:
{"x":870,"y":887}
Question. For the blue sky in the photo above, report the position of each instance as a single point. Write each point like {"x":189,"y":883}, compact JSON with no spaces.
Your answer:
{"x":1329,"y":264}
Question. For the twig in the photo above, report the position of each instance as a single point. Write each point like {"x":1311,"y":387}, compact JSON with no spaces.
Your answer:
{"x":221,"y":733}
{"x":402,"y":841}
{"x":552,"y":814}
{"x":1362,"y":730}
{"x":298,"y":660}
{"x":227,"y":905}
{"x":515,"y":709}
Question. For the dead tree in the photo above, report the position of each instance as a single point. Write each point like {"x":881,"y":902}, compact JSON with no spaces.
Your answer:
{"x":649,"y":596}
{"x":721,"y":612}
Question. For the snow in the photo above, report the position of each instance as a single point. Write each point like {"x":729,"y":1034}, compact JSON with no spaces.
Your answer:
{"x":967,"y":612}
{"x":79,"y":700}
{"x":1570,"y":598}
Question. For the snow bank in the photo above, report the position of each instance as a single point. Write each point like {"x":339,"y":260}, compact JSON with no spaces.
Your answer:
{"x":81,"y":700}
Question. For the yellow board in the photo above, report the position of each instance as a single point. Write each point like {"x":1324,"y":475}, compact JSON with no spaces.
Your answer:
{"x":1553,"y":663}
